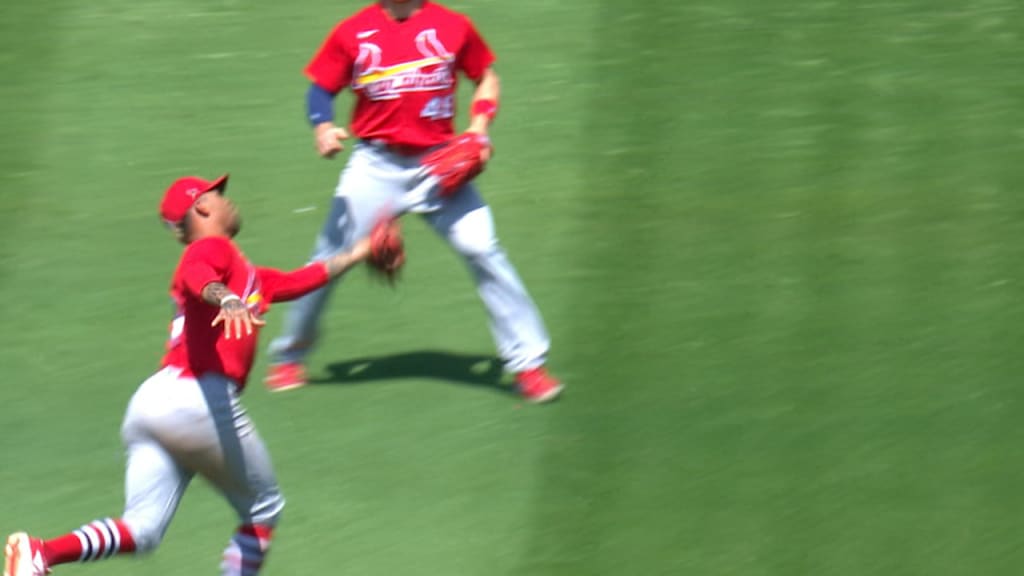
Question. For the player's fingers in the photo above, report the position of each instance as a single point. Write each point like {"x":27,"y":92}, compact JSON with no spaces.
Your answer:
{"x":329,"y":147}
{"x":332,"y":137}
{"x":235,"y":328}
{"x":323,"y":144}
{"x":250,"y":321}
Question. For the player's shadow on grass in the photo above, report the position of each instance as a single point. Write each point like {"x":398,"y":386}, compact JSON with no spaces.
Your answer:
{"x":467,"y":369}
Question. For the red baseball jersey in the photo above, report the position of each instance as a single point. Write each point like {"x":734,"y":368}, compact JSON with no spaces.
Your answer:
{"x":197,"y":347}
{"x":403,"y":73}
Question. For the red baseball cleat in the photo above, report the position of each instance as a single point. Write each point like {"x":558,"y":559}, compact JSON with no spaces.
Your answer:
{"x":537,"y":386}
{"x":285,"y":376}
{"x":24,"y":556}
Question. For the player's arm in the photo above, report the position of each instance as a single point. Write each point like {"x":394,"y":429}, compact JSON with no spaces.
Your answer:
{"x":484,"y":106}
{"x":329,"y":71}
{"x":465,"y":157}
{"x":476,"y":61}
{"x":203,"y":271}
{"x":320,"y":110}
{"x":234,"y":314}
{"x":283,"y":286}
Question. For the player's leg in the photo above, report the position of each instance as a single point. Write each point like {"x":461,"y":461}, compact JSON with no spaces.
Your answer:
{"x":303,"y":316}
{"x":465,"y":221}
{"x":25,"y":556}
{"x":97,"y":540}
{"x":368,"y":187}
{"x":239,"y":465}
{"x":154,"y":484}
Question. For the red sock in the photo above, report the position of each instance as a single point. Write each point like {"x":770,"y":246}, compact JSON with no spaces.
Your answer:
{"x":263,"y":532}
{"x":94,"y":541}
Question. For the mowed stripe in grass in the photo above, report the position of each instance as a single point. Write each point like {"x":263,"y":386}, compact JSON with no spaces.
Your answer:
{"x":611,"y":473}
{"x":828,"y":278}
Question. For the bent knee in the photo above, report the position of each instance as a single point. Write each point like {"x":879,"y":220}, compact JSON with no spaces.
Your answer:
{"x":475,"y":248}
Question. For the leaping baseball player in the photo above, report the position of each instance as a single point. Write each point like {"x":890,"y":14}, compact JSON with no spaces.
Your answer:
{"x":187,"y":419}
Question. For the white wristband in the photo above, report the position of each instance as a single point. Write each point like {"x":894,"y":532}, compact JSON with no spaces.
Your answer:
{"x":229,"y":298}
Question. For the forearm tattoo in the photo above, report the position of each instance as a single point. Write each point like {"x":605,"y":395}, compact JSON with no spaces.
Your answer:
{"x":214,"y":293}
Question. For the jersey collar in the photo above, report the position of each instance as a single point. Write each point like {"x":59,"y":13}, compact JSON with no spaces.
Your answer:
{"x":387,"y":16}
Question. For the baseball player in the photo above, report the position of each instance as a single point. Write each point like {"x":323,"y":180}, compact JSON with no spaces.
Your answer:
{"x":186,"y":419}
{"x":401,"y":58}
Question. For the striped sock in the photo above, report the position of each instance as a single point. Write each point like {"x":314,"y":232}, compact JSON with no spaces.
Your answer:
{"x":94,"y":541}
{"x":246,"y":551}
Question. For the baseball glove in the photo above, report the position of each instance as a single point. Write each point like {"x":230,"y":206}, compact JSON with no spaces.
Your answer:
{"x":457,"y":162}
{"x":387,"y":249}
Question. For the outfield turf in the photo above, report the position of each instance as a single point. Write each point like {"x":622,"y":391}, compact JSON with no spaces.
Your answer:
{"x":777,"y":244}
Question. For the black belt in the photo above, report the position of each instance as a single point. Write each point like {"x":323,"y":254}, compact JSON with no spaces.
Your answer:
{"x":400,"y":149}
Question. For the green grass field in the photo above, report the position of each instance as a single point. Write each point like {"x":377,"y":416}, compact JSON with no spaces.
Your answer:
{"x":777,"y":244}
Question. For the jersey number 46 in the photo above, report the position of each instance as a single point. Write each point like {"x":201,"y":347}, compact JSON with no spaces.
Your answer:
{"x":439,"y":108}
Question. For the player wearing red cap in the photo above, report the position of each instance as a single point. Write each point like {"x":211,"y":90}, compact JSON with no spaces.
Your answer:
{"x":403,"y":59}
{"x":186,"y":419}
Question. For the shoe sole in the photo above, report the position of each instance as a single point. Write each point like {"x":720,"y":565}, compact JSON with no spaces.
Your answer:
{"x":17,"y":548}
{"x":285,"y":387}
{"x":549,"y":396}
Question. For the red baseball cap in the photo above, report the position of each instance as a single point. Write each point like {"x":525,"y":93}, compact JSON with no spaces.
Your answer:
{"x":182,"y":194}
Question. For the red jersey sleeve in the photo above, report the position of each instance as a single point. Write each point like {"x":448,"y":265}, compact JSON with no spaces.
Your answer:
{"x":281,"y":286}
{"x":475,"y":57}
{"x":205,"y":261}
{"x":331,"y":66}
